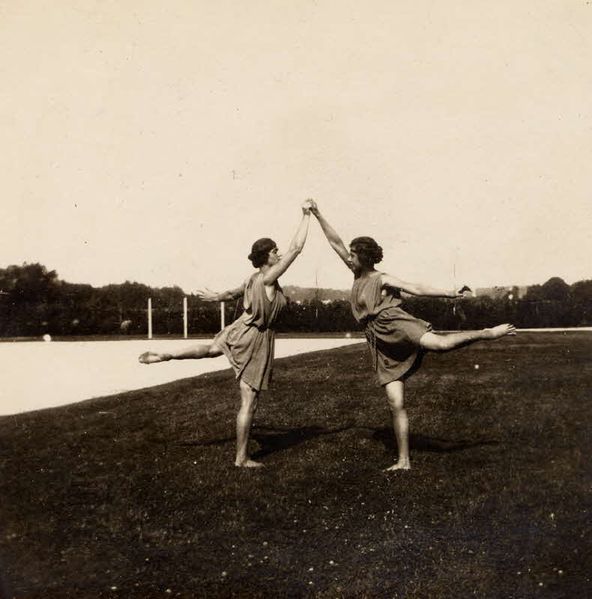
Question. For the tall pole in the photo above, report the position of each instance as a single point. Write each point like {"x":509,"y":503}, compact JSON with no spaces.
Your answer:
{"x":221,"y":315}
{"x":149,"y":318}
{"x":185,"y":318}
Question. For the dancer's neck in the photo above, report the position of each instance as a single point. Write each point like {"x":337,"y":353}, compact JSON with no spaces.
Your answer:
{"x":364,"y":272}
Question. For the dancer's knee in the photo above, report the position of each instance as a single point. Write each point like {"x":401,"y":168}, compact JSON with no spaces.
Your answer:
{"x":249,"y":397}
{"x":395,"y":404}
{"x":395,"y":396}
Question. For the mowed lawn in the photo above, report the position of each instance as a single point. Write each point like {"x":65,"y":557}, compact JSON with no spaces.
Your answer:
{"x":136,"y":495}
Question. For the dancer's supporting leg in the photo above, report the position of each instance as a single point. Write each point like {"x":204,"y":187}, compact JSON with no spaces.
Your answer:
{"x":446,"y":342}
{"x":395,"y":393}
{"x":244,"y":420}
{"x":194,"y":352}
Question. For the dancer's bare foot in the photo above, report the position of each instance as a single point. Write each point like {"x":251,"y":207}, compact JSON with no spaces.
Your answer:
{"x":400,"y":465}
{"x":150,"y":357}
{"x":499,"y":331}
{"x":248,"y":464}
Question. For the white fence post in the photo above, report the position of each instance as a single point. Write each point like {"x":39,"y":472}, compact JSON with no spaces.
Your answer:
{"x":149,"y":318}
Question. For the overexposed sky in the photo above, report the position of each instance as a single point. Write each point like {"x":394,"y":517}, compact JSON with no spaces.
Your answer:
{"x":155,"y":141}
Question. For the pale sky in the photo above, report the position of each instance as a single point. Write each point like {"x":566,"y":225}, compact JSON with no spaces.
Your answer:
{"x":155,"y":141}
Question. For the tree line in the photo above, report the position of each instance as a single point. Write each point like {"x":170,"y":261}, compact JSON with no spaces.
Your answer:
{"x":34,"y":301}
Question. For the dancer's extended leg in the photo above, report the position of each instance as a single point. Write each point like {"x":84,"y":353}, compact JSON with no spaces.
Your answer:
{"x":194,"y":352}
{"x":446,"y":342}
{"x":395,"y":393}
{"x":244,"y":420}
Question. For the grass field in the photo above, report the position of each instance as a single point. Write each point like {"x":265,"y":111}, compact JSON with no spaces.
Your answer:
{"x":136,"y":496}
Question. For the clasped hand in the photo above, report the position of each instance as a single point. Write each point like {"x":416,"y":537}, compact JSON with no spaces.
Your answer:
{"x":309,"y":206}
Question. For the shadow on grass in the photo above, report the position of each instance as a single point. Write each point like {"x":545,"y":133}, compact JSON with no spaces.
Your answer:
{"x":274,"y":439}
{"x":432,"y":444}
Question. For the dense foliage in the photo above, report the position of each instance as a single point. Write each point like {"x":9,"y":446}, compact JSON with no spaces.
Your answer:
{"x":35,"y":301}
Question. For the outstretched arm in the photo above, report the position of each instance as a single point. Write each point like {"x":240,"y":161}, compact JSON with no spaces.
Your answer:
{"x":223,"y":296}
{"x":420,"y":288}
{"x":296,"y":246}
{"x":332,"y":236}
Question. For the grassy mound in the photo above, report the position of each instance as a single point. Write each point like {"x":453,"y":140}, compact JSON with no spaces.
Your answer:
{"x":136,"y":495}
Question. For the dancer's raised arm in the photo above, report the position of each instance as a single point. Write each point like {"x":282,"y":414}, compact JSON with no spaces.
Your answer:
{"x":332,"y":236}
{"x":419,"y":288}
{"x":274,"y":272}
{"x":207,"y":295}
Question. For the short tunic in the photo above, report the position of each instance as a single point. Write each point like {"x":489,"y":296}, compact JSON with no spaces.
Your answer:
{"x":249,"y":341}
{"x":393,"y":335}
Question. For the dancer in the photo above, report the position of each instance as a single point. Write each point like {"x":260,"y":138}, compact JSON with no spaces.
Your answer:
{"x":248,"y":342}
{"x":397,"y":339}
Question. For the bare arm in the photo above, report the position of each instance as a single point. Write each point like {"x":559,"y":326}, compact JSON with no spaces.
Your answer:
{"x":296,"y":246}
{"x":420,"y":288}
{"x":223,"y":296}
{"x":332,"y":236}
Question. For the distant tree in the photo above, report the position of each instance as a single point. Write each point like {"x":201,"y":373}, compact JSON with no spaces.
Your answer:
{"x":582,"y":291}
{"x":534,"y":293}
{"x":30,"y":289}
{"x":555,"y":289}
{"x":133,"y":295}
{"x":29,"y":282}
{"x":581,"y":300}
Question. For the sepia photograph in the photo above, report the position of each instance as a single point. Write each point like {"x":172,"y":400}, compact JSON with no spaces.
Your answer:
{"x":296,"y":299}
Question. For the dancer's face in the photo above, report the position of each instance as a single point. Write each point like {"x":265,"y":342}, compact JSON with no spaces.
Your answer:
{"x":274,"y":256}
{"x":354,"y":260}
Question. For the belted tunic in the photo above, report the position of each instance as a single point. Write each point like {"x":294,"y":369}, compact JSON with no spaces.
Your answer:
{"x":393,"y":335}
{"x":249,"y":342}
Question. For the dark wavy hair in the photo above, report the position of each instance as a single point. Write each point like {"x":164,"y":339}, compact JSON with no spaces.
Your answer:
{"x":260,"y":251}
{"x":369,"y":252}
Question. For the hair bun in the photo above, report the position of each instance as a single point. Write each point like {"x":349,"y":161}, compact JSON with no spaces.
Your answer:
{"x":260,"y":250}
{"x":378,"y":254}
{"x":368,"y":249}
